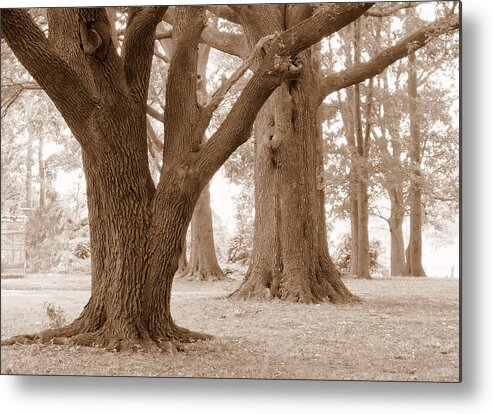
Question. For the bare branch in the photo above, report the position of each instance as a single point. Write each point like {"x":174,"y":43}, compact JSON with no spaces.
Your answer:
{"x":155,"y":113}
{"x":161,"y":56}
{"x":153,"y":136}
{"x":362,"y":71}
{"x":224,"y":12}
{"x":230,"y":43}
{"x":18,"y":89}
{"x":379,"y":11}
{"x":218,"y":96}
{"x":167,"y":34}
{"x":274,"y":68}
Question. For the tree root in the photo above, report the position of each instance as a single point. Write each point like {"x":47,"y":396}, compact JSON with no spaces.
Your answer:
{"x":185,"y":335}
{"x":105,"y":338}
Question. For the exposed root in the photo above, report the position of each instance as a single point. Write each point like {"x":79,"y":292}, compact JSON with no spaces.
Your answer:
{"x":185,"y":335}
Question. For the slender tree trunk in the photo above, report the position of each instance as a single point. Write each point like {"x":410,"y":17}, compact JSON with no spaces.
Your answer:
{"x":29,"y":174}
{"x":362,"y":142}
{"x":397,"y":258}
{"x":363,"y":268}
{"x":414,"y":266}
{"x":349,"y":131}
{"x":203,"y":263}
{"x":42,"y":173}
{"x":290,"y":258}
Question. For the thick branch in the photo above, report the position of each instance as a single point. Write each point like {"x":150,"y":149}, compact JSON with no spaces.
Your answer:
{"x":273,"y":69}
{"x":362,"y":71}
{"x":138,"y":48}
{"x":379,"y":11}
{"x":181,"y":87}
{"x":224,"y":12}
{"x":52,"y":73}
{"x":230,"y":43}
{"x":166,"y":34}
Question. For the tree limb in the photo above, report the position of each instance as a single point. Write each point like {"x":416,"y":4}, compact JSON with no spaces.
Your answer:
{"x":219,"y":94}
{"x":154,"y":113}
{"x":379,"y":11}
{"x":224,"y":12}
{"x":153,"y":136}
{"x":230,"y":43}
{"x":362,"y":71}
{"x":138,"y":47}
{"x":19,"y":88}
{"x":53,"y":74}
{"x":274,"y":68}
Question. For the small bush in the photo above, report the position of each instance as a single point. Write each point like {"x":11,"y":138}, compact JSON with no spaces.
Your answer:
{"x":56,"y":315}
{"x":343,"y":255}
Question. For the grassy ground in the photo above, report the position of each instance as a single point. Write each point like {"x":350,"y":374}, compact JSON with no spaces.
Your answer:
{"x":405,"y":329}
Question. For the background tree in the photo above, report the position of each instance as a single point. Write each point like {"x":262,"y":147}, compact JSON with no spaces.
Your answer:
{"x":290,"y":257}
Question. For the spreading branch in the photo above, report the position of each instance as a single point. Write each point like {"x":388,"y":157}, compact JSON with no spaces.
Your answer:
{"x":224,"y":12}
{"x":15,"y":90}
{"x":218,"y":96}
{"x":362,"y":71}
{"x":53,"y":74}
{"x":155,"y":113}
{"x":379,"y":11}
{"x":138,"y":47}
{"x":272,"y":71}
{"x":230,"y":43}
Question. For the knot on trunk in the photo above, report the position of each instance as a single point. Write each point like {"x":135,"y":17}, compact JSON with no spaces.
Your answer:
{"x":95,"y":38}
{"x":286,"y":67}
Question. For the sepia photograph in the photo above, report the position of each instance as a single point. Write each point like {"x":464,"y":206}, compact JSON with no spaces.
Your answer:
{"x":235,"y":191}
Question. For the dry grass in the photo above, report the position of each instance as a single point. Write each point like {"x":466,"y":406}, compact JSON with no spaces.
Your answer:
{"x":404,"y":330}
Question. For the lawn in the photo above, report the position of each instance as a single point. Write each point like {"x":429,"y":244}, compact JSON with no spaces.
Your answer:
{"x":405,"y":329}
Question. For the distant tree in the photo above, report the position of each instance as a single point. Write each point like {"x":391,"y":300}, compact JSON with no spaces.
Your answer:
{"x":290,"y":252}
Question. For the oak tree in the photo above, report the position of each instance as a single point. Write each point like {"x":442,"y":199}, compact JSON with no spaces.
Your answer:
{"x":137,"y":228}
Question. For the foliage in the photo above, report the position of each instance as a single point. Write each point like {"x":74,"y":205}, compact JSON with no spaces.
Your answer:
{"x":343,"y":255}
{"x":56,"y":241}
{"x":56,"y":315}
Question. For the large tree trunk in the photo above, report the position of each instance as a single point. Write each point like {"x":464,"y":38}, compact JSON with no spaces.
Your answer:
{"x":290,"y":258}
{"x":414,"y":266}
{"x":203,"y":263}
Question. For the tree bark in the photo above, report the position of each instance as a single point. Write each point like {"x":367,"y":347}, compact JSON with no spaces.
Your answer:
{"x":290,"y":258}
{"x":414,"y":266}
{"x":203,"y":264}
